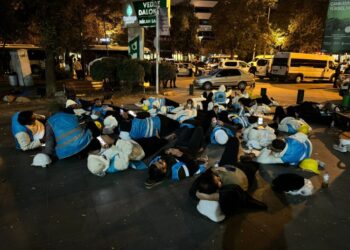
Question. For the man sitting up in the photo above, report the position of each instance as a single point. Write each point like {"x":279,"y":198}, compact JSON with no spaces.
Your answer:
{"x":291,"y":150}
{"x":27,"y":130}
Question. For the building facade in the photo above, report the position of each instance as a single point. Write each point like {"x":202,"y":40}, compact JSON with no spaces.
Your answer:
{"x":203,"y":10}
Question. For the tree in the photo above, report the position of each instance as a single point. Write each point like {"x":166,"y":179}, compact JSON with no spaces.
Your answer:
{"x":240,"y":25}
{"x":306,"y":27}
{"x":184,"y":26}
{"x":13,"y":21}
{"x":12,"y":26}
{"x":62,"y":26}
{"x":303,"y":28}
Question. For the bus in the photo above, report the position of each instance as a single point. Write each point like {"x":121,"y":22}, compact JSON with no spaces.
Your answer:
{"x":302,"y":67}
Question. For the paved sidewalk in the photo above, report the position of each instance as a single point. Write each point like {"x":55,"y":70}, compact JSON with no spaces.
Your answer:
{"x":66,"y":207}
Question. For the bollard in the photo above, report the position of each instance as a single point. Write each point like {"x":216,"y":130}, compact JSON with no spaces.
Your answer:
{"x":300,"y":96}
{"x":191,"y":89}
{"x":263,"y":91}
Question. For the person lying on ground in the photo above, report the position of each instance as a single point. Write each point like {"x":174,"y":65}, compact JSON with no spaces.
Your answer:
{"x":344,"y":142}
{"x":221,"y":132}
{"x":124,"y":154}
{"x":291,"y":150}
{"x":99,"y":110}
{"x":309,"y":111}
{"x":180,"y":161}
{"x":258,"y":136}
{"x":149,"y":127}
{"x":293,"y":125}
{"x":182,"y":115}
{"x":66,"y":137}
{"x":28,"y":130}
{"x":75,"y":108}
{"x":228,"y":184}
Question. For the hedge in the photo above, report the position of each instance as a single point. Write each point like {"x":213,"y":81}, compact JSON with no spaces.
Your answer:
{"x":106,"y":68}
{"x":131,"y":75}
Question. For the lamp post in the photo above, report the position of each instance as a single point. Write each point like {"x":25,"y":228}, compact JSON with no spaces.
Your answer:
{"x":268,"y":26}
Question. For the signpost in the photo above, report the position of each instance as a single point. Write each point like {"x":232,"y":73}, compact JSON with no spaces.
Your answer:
{"x":157,"y":50}
{"x":150,"y":13}
{"x":146,"y":11}
{"x":337,"y":31}
{"x":134,"y":48}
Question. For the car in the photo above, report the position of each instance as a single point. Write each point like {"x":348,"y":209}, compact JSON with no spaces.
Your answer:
{"x":229,"y":77}
{"x":185,"y":69}
{"x":343,"y":83}
{"x":234,"y":64}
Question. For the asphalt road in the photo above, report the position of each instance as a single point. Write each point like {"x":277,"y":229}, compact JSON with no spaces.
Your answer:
{"x":286,"y":93}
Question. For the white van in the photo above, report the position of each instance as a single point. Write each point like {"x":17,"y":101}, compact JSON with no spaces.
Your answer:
{"x":302,"y":67}
{"x":214,"y":60}
{"x":254,"y":61}
{"x":234,"y":64}
{"x":263,"y":67}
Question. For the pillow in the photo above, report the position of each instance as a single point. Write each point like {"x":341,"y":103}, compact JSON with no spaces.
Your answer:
{"x":211,"y":209}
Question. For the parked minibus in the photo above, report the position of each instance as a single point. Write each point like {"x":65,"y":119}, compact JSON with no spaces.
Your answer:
{"x":302,"y":67}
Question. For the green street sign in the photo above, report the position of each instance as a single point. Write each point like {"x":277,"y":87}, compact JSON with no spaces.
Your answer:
{"x":337,"y":31}
{"x":134,"y":48}
{"x":146,"y":11}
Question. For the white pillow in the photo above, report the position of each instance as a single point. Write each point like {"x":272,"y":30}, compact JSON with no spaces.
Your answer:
{"x":210,"y":209}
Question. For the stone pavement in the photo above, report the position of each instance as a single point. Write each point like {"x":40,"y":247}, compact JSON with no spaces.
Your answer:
{"x":65,"y":207}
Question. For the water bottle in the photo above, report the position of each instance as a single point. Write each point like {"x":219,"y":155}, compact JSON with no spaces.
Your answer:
{"x":325,"y":180}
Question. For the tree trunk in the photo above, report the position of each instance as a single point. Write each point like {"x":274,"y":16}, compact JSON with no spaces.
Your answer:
{"x":50,"y":73}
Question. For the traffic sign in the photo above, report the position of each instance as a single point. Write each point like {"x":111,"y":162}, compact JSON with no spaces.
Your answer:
{"x":146,"y":11}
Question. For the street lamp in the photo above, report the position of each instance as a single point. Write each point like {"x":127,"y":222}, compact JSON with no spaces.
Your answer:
{"x":271,"y":5}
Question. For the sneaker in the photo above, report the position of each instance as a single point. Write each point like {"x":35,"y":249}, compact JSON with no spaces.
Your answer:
{"x":151,"y":183}
{"x":340,"y":148}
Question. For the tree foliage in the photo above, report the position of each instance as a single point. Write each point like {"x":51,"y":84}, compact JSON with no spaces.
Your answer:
{"x":65,"y":25}
{"x":184,"y":26}
{"x":13,"y":20}
{"x":306,"y":27}
{"x":239,"y":25}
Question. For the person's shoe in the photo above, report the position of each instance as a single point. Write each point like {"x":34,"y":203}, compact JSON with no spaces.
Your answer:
{"x":151,"y":183}
{"x":340,"y":148}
